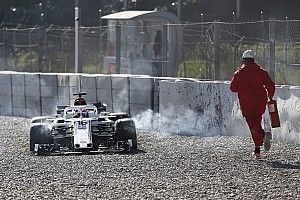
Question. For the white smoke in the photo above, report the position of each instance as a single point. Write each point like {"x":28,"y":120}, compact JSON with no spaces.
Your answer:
{"x":187,"y":123}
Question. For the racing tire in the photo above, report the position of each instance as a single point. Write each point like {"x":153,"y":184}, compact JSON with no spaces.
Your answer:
{"x":39,"y":134}
{"x":125,"y":130}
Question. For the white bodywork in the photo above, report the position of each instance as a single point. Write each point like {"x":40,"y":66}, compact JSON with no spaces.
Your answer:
{"x":82,"y":134}
{"x":80,"y":128}
{"x":81,"y":117}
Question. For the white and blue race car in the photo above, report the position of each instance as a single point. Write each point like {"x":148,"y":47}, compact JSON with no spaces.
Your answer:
{"x":82,"y":128}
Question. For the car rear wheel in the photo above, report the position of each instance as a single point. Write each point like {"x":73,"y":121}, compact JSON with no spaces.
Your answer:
{"x":126,"y":131}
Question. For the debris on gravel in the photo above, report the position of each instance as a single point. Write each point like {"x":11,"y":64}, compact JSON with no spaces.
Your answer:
{"x":166,"y":167}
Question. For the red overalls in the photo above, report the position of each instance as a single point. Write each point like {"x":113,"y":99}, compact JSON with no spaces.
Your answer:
{"x":254,"y":86}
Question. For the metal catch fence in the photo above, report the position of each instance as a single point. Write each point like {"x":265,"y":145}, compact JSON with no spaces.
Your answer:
{"x":209,"y":50}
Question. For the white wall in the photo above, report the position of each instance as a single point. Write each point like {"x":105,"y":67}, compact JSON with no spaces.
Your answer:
{"x":6,"y":94}
{"x":34,"y":94}
{"x":209,"y":108}
{"x":185,"y":106}
{"x":288,"y":100}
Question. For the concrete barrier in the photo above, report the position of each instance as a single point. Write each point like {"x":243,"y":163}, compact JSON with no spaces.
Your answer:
{"x":120,"y":93}
{"x":230,"y":110}
{"x":63,"y":89}
{"x":49,"y":93}
{"x":176,"y":114}
{"x":18,"y":94}
{"x":194,"y":105}
{"x":204,"y":108}
{"x":32,"y":94}
{"x":88,"y":85}
{"x":74,"y":86}
{"x":156,"y":81}
{"x":104,"y":90}
{"x":141,"y":94}
{"x":6,"y":94}
{"x":289,"y":108}
{"x":220,"y":108}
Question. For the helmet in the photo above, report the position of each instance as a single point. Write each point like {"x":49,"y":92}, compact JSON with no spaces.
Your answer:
{"x":248,"y":54}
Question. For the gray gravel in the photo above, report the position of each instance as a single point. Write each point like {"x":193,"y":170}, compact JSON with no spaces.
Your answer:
{"x":167,"y":167}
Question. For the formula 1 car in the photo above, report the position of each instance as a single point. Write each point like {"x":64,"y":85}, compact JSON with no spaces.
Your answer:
{"x":82,"y":128}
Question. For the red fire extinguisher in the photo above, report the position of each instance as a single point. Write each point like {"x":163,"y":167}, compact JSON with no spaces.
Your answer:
{"x":273,"y":111}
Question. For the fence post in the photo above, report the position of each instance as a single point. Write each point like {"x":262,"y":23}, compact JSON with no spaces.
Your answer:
{"x":272,"y":66}
{"x":80,"y":50}
{"x":4,"y":49}
{"x":40,"y":49}
{"x":62,"y":46}
{"x":45,"y":51}
{"x":235,"y":45}
{"x":76,"y":30}
{"x":217,"y":50}
{"x":265,"y":39}
{"x":30,"y":43}
{"x":118,"y":49}
{"x":286,"y":40}
{"x":100,"y":48}
{"x":165,"y":70}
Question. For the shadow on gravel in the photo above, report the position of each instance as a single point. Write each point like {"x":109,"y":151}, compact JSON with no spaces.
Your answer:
{"x":279,"y":164}
{"x":139,"y":151}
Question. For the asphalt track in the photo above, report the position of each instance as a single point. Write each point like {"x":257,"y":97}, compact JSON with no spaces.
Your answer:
{"x":166,"y":167}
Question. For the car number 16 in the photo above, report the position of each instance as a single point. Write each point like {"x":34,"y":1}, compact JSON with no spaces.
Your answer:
{"x":81,"y":125}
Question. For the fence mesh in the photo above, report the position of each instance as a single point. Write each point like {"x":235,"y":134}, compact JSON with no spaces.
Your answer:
{"x":210,"y":50}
